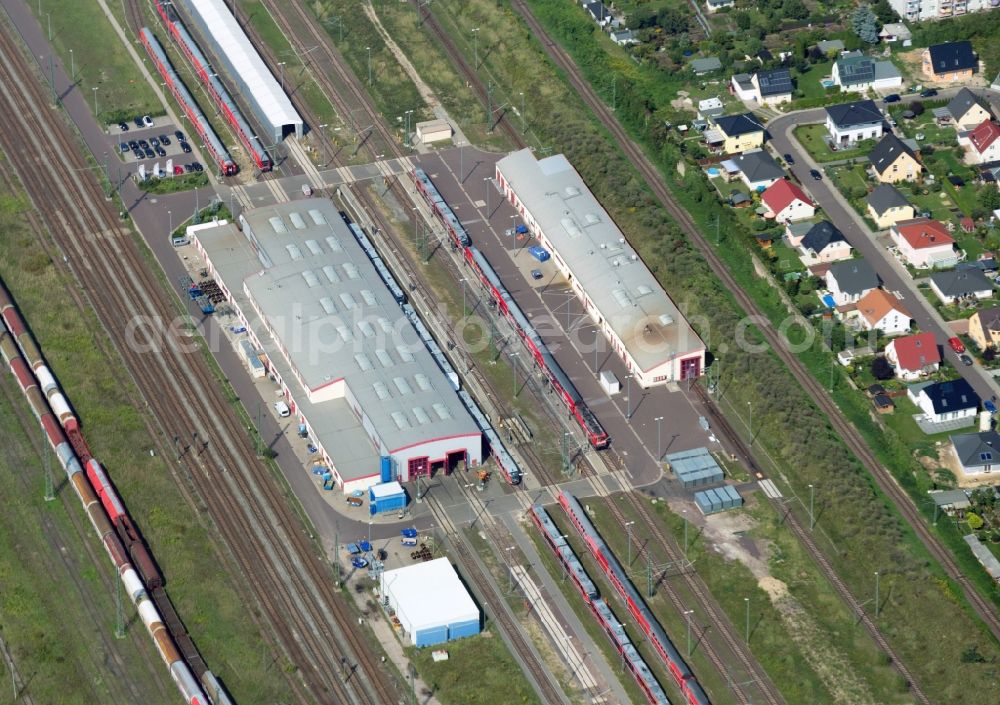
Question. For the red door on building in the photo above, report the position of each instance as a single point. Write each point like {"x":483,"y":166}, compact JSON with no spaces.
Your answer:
{"x":418,"y":467}
{"x":690,"y":368}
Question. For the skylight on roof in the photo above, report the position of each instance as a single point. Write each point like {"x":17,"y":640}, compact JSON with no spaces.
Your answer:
{"x":986,"y":456}
{"x":369,"y":297}
{"x":345,"y":333}
{"x":334,"y":244}
{"x":277,"y":225}
{"x":331,"y":274}
{"x":294,"y":252}
{"x":348,"y":300}
{"x":571,"y":228}
{"x":314,"y":247}
{"x":385,"y":325}
{"x":402,"y":385}
{"x":404,"y":353}
{"x":441,"y":410}
{"x":381,"y":390}
{"x":310,"y":277}
{"x":401,"y":421}
{"x":422,"y":381}
{"x":366,"y":329}
{"x":621,"y":296}
{"x":327,"y":303}
{"x":643,"y":290}
{"x":297,"y":221}
{"x":420,"y":415}
{"x":351,"y":270}
{"x":383,"y":357}
{"x":317,"y":216}
{"x":364,"y":362}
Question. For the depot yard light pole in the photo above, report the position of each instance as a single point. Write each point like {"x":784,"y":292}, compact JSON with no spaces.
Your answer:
{"x":746,"y":600}
{"x":95,"y":101}
{"x":812,"y":516}
{"x":510,"y":570}
{"x":750,"y":422}
{"x":72,"y":66}
{"x":628,"y":396}
{"x":369,"y":50}
{"x":659,"y":447}
{"x":876,"y":593}
{"x":281,"y":67}
{"x":513,"y":369}
{"x":170,"y":224}
{"x":486,"y":182}
{"x":628,"y":533}
{"x":475,"y":45}
{"x":687,"y":614}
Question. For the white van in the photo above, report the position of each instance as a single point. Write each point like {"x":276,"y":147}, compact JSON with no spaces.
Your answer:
{"x":282,"y":409}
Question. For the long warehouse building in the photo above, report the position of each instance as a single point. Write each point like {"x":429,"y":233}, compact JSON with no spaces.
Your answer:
{"x":616,"y":288}
{"x":347,"y":361}
{"x":241,"y":63}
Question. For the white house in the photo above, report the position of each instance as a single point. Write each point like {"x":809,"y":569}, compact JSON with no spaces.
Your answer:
{"x":945,"y":401}
{"x":924,"y":243}
{"x":880,"y":310}
{"x":852,"y":122}
{"x":856,"y":72}
{"x":849,"y":280}
{"x":982,"y":144}
{"x":787,"y":202}
{"x":823,"y":243}
{"x":913,"y":356}
{"x":961,"y":285}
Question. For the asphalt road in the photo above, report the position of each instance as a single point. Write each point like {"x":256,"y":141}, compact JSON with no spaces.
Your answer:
{"x":893,"y":275}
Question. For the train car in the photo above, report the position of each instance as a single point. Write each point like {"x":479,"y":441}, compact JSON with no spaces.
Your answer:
{"x":441,"y":209}
{"x":658,"y":639}
{"x":102,"y":525}
{"x":212,"y":143}
{"x":602,"y":612}
{"x":508,"y":466}
{"x":223,"y":100}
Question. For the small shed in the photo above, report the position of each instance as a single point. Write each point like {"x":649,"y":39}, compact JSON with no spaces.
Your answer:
{"x":387,"y":497}
{"x":430,"y":602}
{"x":433,"y":131}
{"x":718,"y":499}
{"x":695,"y":468}
{"x":883,"y":404}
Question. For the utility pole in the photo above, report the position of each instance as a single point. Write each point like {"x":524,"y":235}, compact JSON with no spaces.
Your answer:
{"x":369,"y":50}
{"x":522,"y":111}
{"x":52,"y":81}
{"x":649,"y":575}
{"x":628,"y":395}
{"x":628,"y":533}
{"x":513,"y":369}
{"x":119,"y":610}
{"x":659,"y":447}
{"x":336,"y":555}
{"x":49,"y":490}
{"x":746,"y":600}
{"x":876,"y":594}
{"x":750,"y":423}
{"x":687,"y":613}
{"x":72,"y":65}
{"x":260,"y":433}
{"x":475,"y":45}
{"x":812,"y":516}
{"x":685,"y":532}
{"x":614,"y":93}
{"x":489,"y":106}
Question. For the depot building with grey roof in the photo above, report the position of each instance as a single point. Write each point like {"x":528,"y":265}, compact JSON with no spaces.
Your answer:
{"x":348,"y":363}
{"x":617,"y":290}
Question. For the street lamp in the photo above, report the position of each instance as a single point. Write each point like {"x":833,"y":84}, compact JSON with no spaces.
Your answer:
{"x":510,"y":570}
{"x":281,"y":65}
{"x":812,"y":517}
{"x":95,"y":103}
{"x":628,"y":533}
{"x":486,"y":182}
{"x":659,"y":451}
{"x":475,"y":40}
{"x":750,"y":422}
{"x":513,"y":369}
{"x":628,"y":395}
{"x":369,"y":50}
{"x":876,"y":594}
{"x":687,"y":614}
{"x":170,"y":222}
{"x":747,"y":601}
{"x":521,"y":93}
{"x":72,"y":64}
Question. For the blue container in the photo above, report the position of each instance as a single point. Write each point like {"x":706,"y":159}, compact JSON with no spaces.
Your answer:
{"x":431,"y":636}
{"x":386,"y":469}
{"x":463,"y":629}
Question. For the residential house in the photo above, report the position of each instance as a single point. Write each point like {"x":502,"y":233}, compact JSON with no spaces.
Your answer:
{"x":599,"y":12}
{"x":773,"y":87}
{"x":924,"y":243}
{"x":895,"y":32}
{"x":794,"y":232}
{"x":961,"y":284}
{"x":913,"y":356}
{"x":984,"y":328}
{"x":976,"y":453}
{"x":823,"y":243}
{"x":706,"y":65}
{"x":716,"y":5}
{"x":848,"y":123}
{"x":857,"y":72}
{"x":757,"y":169}
{"x":945,"y":401}
{"x":741,"y":85}
{"x":623,"y":37}
{"x":849,"y":280}
{"x":967,"y":111}
{"x":954,"y":61}
{"x":982,"y":144}
{"x":887,"y":206}
{"x":786,"y":202}
{"x":710,"y":108}
{"x":893,"y":161}
{"x":739,"y":132}
{"x":880,"y":310}
{"x":829,"y":46}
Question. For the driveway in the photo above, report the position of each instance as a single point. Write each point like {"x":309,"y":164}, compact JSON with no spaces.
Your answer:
{"x":836,"y":209}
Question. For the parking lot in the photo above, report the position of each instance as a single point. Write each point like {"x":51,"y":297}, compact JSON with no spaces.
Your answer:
{"x":147,"y":140}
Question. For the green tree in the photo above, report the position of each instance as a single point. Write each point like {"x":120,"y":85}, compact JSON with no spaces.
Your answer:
{"x":865,"y":24}
{"x":884,"y":12}
{"x":794,"y":10}
{"x":989,"y":197}
{"x":974,"y":521}
{"x":882,"y":369}
{"x":917,"y":107}
{"x":743,"y":20}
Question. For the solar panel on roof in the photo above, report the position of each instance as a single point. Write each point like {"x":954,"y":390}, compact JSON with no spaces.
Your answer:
{"x":314,"y":247}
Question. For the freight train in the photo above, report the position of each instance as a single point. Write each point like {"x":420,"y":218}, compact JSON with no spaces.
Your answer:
{"x":114,"y":526}
{"x":487,"y":276}
{"x":213,"y":144}
{"x":639,"y":668}
{"x":508,"y":466}
{"x":671,"y":657}
{"x":227,"y":106}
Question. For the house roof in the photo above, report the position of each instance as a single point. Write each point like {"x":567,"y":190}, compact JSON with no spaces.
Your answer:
{"x":830,"y":44}
{"x":743,"y":79}
{"x":758,"y":165}
{"x":711,"y":63}
{"x":854,"y":276}
{"x":885,"y":197}
{"x":985,"y":134}
{"x":923,"y":233}
{"x":962,"y":103}
{"x":877,"y":303}
{"x":976,"y":449}
{"x":886,"y":69}
{"x":896,"y":29}
{"x":775,"y":82}
{"x":855,"y":69}
{"x":961,"y":282}
{"x":822,"y":235}
{"x":887,"y":151}
{"x":860,"y":112}
{"x":955,"y":395}
{"x":734,"y":125}
{"x":781,"y":194}
{"x":954,"y":56}
{"x":915,"y":352}
{"x":989,"y":318}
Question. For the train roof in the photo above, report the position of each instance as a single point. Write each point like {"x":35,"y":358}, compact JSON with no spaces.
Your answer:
{"x":583,"y":235}
{"x":323,"y":312}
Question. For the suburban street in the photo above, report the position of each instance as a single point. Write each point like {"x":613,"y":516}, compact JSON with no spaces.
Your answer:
{"x":839,"y":212}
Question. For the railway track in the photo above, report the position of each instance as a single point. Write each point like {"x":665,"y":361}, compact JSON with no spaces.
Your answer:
{"x":279,"y":562}
{"x":716,"y":617}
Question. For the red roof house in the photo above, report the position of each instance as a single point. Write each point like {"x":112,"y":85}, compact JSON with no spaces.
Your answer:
{"x":924,"y":243}
{"x":984,"y":143}
{"x":787,"y":202}
{"x":914,"y":355}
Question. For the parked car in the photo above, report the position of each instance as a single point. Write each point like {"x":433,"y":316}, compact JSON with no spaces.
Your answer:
{"x":788,"y":159}
{"x":928,"y":93}
{"x":123,"y":147}
{"x":892,"y":98}
{"x":147,"y":121}
{"x":179,"y":135}
{"x":197,"y":166}
{"x":138,"y":122}
{"x":185,"y":147}
{"x":164,"y":140}
{"x":178,"y":170}
{"x":536,"y":274}
{"x":149,"y":153}
{"x":155,"y":142}
{"x":966,"y":360}
{"x":160,"y":151}
{"x":123,"y":126}
{"x":133,"y":145}
{"x":816,"y":175}
{"x":143,"y":144}
{"x":956,"y":345}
